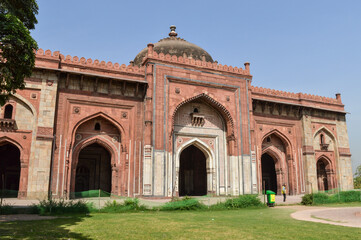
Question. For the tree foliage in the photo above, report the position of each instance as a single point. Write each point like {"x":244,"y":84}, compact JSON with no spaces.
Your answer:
{"x":17,"y":47}
{"x":357,"y":178}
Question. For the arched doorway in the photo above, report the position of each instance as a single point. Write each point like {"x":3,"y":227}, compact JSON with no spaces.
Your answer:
{"x":9,"y":170}
{"x":322,"y":181}
{"x":192,"y":174}
{"x":93,"y":170}
{"x":269,"y":177}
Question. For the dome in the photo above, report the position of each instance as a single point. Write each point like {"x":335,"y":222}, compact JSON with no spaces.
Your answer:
{"x":175,"y":46}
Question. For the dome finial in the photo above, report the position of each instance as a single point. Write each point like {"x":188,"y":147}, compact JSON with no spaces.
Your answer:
{"x":172,"y":31}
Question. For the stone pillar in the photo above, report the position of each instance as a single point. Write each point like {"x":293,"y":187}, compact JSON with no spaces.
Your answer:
{"x":280,"y":180}
{"x":309,"y":161}
{"x":148,"y":121}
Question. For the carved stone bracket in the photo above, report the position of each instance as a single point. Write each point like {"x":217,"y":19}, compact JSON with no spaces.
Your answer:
{"x":8,"y":124}
{"x":197,"y":119}
{"x":324,"y":146}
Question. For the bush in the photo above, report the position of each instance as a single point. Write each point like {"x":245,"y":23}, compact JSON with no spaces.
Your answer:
{"x":307,"y":199}
{"x":323,"y":198}
{"x":243,"y":201}
{"x":58,"y":207}
{"x":350,"y":196}
{"x":130,"y":204}
{"x":183,"y":204}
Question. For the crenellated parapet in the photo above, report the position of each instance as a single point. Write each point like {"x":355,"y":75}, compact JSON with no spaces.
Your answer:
{"x":296,"y":96}
{"x":57,"y":60}
{"x":189,"y":61}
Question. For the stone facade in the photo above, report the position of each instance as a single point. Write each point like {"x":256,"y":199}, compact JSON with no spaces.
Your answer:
{"x":145,"y":116}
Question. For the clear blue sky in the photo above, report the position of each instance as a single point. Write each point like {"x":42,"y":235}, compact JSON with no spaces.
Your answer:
{"x":299,"y":46}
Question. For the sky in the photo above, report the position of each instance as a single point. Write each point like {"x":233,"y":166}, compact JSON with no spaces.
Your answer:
{"x":298,"y":46}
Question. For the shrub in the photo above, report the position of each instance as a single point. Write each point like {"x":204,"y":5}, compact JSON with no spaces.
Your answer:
{"x":183,"y":204}
{"x":307,"y":199}
{"x":350,"y":196}
{"x":130,"y":204}
{"x":243,"y":201}
{"x":345,"y":196}
{"x":56,"y":207}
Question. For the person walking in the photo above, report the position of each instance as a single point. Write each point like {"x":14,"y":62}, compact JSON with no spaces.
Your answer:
{"x":284,"y":192}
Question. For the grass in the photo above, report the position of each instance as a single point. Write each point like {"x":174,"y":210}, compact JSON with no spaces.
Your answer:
{"x":264,"y":223}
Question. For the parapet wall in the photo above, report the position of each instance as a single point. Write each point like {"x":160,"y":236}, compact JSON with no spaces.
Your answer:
{"x":304,"y":99}
{"x":56,"y":60}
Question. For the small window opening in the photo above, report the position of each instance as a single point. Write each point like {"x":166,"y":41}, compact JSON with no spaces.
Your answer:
{"x":268,"y":139}
{"x":97,"y":127}
{"x":8,"y":113}
{"x":322,"y":139}
{"x":195,"y":110}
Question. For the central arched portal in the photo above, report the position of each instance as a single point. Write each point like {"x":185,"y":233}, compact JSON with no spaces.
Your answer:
{"x":9,"y":170}
{"x":93,"y":170}
{"x":269,"y":177}
{"x":192,"y":174}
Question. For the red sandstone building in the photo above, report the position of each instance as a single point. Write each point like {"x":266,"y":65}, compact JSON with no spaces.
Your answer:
{"x":172,"y":123}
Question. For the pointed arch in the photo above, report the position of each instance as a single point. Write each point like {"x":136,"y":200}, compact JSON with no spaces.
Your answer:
{"x":325,"y":130}
{"x":26,"y":102}
{"x":326,"y":159}
{"x":274,"y":152}
{"x":113,"y":152}
{"x":218,"y":106}
{"x":99,"y":140}
{"x":103,"y":115}
{"x":285,"y":169}
{"x":23,"y":161}
{"x":199,"y":144}
{"x":279,"y":134}
{"x":5,"y":140}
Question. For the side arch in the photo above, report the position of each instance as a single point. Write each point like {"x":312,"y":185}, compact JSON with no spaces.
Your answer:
{"x":23,"y":181}
{"x":325,"y":177}
{"x":286,"y":172}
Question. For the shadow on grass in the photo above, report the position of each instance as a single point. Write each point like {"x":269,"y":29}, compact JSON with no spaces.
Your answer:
{"x":43,"y":229}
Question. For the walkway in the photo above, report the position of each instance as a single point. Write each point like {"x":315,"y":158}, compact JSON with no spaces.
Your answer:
{"x":346,"y":216}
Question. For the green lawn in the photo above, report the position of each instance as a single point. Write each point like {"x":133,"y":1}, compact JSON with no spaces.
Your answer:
{"x":264,"y":223}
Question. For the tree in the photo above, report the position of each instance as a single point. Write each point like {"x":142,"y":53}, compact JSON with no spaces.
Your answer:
{"x":17,"y":56}
{"x":357,"y":178}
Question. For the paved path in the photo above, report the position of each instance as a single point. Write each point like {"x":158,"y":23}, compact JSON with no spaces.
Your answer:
{"x":346,"y":216}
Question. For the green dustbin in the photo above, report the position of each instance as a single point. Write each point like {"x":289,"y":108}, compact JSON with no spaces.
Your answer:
{"x":271,"y":197}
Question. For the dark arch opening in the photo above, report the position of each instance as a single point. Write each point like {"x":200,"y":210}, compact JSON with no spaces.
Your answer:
{"x":9,"y":170}
{"x":8,"y":113}
{"x":93,"y":171}
{"x":322,"y":139}
{"x":269,"y":177}
{"x":97,"y":127}
{"x":322,"y":175}
{"x":192,"y":172}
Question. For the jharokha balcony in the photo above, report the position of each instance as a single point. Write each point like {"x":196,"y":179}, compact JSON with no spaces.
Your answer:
{"x":8,"y":124}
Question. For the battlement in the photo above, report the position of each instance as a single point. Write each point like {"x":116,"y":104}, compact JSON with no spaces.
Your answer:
{"x":73,"y":63}
{"x":297,"y":96}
